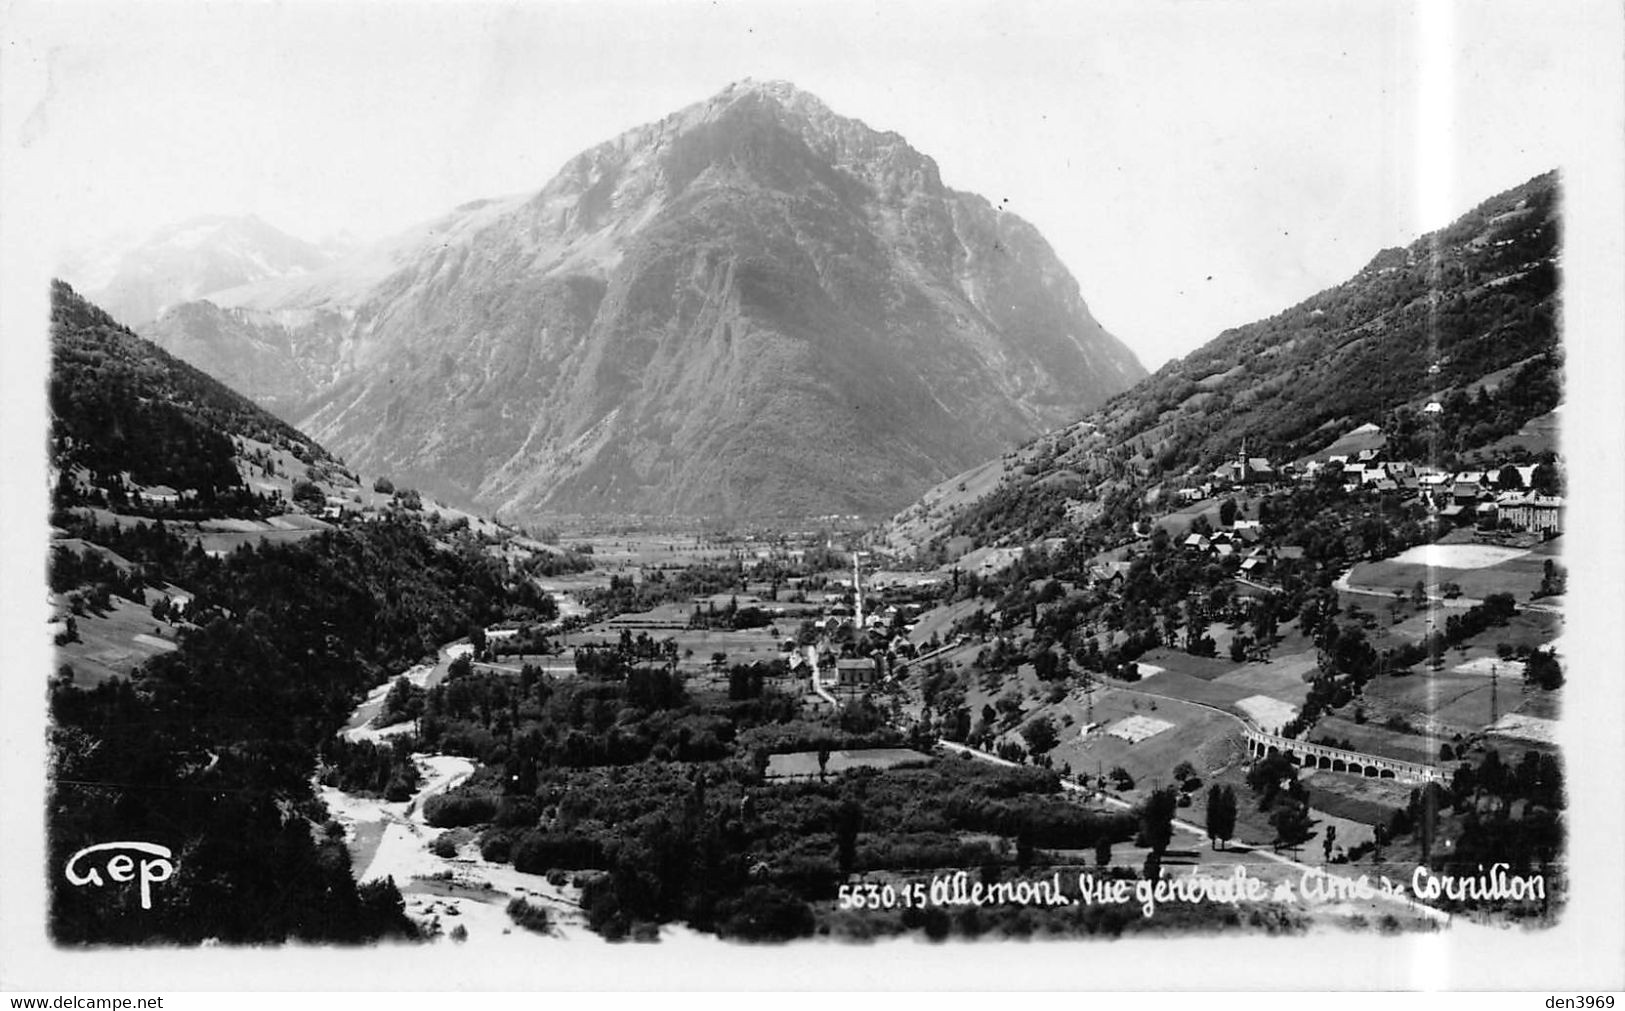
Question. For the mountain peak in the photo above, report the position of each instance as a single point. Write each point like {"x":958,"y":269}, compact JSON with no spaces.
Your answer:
{"x":752,"y":306}
{"x":783,"y":92}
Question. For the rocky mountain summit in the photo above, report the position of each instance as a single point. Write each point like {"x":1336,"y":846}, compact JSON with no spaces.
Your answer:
{"x":752,"y":307}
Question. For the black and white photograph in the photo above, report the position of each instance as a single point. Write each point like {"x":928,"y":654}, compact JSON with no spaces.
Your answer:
{"x":969,"y":495}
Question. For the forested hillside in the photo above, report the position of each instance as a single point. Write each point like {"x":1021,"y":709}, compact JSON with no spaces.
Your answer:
{"x":1465,"y":317}
{"x":127,"y":415}
{"x":209,"y":749}
{"x":209,"y":746}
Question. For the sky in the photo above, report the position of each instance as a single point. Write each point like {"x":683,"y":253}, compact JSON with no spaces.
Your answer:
{"x":1196,"y":164}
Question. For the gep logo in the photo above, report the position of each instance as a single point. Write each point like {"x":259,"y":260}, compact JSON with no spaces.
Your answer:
{"x":153,"y":868}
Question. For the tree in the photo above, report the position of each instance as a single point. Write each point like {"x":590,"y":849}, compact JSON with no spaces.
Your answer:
{"x":1103,"y":850}
{"x":1047,"y":666}
{"x":1221,"y":814}
{"x":1554,"y":580}
{"x":1157,"y":819}
{"x":1329,"y":842}
{"x":384,"y":486}
{"x":1227,"y":512}
{"x":1227,"y":821}
{"x":1040,"y":735}
{"x":1292,"y":823}
{"x":404,"y":702}
{"x":308,"y":494}
{"x":823,"y":760}
{"x":1546,"y":480}
{"x":1238,"y":648}
{"x":1543,"y":670}
{"x":1509,"y":479}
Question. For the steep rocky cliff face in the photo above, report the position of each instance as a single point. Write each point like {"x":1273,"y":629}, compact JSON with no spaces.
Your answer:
{"x":752,"y":307}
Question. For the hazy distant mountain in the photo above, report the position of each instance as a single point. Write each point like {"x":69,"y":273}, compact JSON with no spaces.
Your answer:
{"x":1465,"y":320}
{"x":191,"y":260}
{"x":277,"y":359}
{"x":753,"y":306}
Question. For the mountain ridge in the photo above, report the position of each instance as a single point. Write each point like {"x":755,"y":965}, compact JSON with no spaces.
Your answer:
{"x":1419,"y":325}
{"x":752,"y":306}
{"x":192,"y":259}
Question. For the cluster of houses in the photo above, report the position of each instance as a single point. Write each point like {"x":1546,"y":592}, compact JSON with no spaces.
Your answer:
{"x":1242,"y":541}
{"x":1490,"y":498}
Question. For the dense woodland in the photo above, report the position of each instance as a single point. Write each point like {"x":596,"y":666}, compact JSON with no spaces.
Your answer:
{"x":689,"y":830}
{"x":209,"y":749}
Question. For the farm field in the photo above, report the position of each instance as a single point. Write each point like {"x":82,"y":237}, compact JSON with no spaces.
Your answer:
{"x":1543,"y":705}
{"x":1374,"y":739}
{"x":574,"y":582}
{"x":1356,"y":798}
{"x":228,"y":541}
{"x":1282,"y":677}
{"x":620,"y":551}
{"x":115,"y":644}
{"x":1526,"y":732}
{"x":1209,"y":740}
{"x":1173,"y":684}
{"x":694,"y":646}
{"x":1445,"y":702}
{"x":1270,"y":714}
{"x":939,"y":620}
{"x":804,"y":764}
{"x":1180,"y":520}
{"x":1538,"y":435}
{"x":1024,"y":682}
{"x":1205,"y":668}
{"x":1479,"y":569}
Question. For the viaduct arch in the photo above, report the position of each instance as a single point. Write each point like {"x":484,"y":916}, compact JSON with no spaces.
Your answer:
{"x":1319,"y":756}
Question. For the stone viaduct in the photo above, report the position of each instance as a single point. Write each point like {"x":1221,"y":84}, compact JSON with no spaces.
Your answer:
{"x":1319,"y":756}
